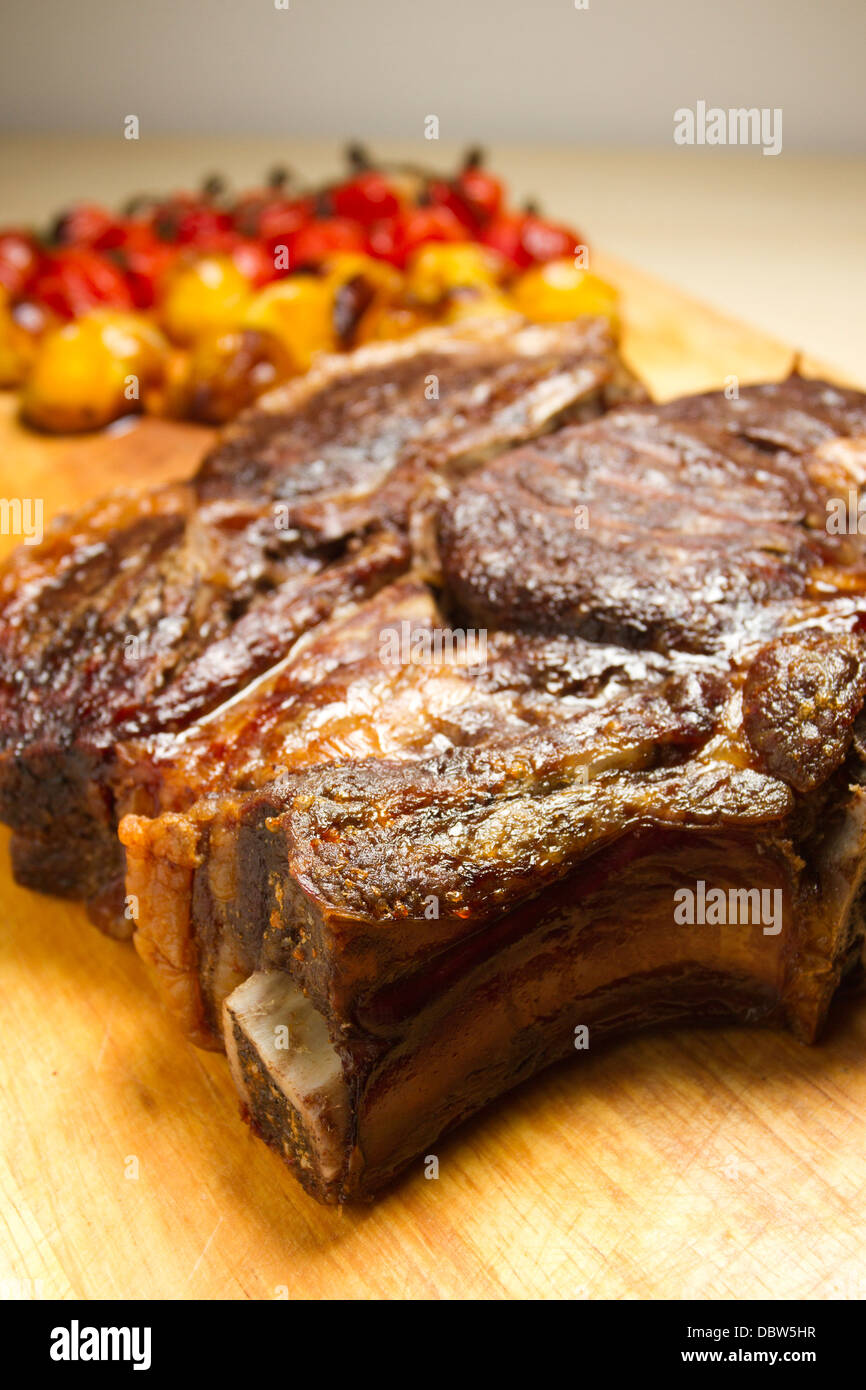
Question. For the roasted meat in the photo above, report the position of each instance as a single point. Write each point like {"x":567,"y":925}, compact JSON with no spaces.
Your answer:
{"x":394,"y":880}
{"x":140,"y":615}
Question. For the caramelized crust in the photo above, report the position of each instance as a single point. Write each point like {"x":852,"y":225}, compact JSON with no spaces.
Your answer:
{"x":140,"y":615}
{"x":459,"y":864}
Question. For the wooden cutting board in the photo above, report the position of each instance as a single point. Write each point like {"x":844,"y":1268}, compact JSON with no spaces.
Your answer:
{"x":722,"y":1163}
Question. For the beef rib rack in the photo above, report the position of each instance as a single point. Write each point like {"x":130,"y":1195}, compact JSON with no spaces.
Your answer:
{"x":140,"y":614}
{"x":393,"y":878}
{"x":403,"y":888}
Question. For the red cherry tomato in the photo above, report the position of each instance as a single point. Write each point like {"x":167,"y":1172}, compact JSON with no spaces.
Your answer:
{"x":366,"y":199}
{"x":505,"y":235}
{"x":190,"y":221}
{"x":202,"y":227}
{"x":482,"y":193}
{"x":71,"y":282}
{"x":145,"y":262}
{"x":20,"y":258}
{"x":87,"y":224}
{"x":382,"y":240}
{"x":446,"y":195}
{"x":396,"y":241}
{"x":273,"y":219}
{"x":164,"y":217}
{"x":318,"y":240}
{"x":545,"y":241}
{"x":255,"y":260}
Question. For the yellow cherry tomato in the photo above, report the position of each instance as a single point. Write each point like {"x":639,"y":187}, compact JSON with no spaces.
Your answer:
{"x":221,"y":375}
{"x":92,"y":371}
{"x":441,"y":266}
{"x":169,"y":396}
{"x":209,"y":294}
{"x":298,"y":312}
{"x":384,"y":278}
{"x":357,"y":284}
{"x":18,"y":345}
{"x":391,"y":321}
{"x":559,"y":290}
{"x":476,"y":302}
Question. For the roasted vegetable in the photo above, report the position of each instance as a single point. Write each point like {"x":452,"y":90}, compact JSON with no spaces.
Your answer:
{"x":396,"y":239}
{"x":439,"y":267}
{"x":357,"y":284}
{"x":298,"y":313}
{"x":21,"y":327}
{"x":383,"y":321}
{"x":20,"y":256}
{"x":316,"y":241}
{"x":209,"y":294}
{"x":559,"y":291}
{"x":260,"y":283}
{"x":367,"y":198}
{"x":223,"y":374}
{"x":475,"y":301}
{"x":91,"y":372}
{"x":72,"y":282}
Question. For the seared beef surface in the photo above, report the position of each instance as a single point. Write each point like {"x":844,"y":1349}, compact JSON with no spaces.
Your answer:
{"x":684,"y":528}
{"x":440,"y":397}
{"x":141,"y":614}
{"x":432,"y":859}
{"x":457,"y":859}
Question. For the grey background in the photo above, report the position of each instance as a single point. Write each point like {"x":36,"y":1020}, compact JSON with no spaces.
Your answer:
{"x":492,"y":70}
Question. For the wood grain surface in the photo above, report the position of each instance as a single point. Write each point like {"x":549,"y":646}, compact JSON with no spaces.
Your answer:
{"x":693,"y":1163}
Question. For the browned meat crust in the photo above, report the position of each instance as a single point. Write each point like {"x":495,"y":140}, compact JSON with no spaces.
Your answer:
{"x":139,"y":615}
{"x":485,"y":857}
{"x":393,"y":878}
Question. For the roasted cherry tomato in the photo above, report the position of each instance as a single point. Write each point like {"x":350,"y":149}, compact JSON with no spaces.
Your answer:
{"x":91,"y":372}
{"x":21,"y":327}
{"x":20,"y":258}
{"x":558,"y":291}
{"x":505,"y":235}
{"x":223,"y":374}
{"x":545,"y":241}
{"x":441,"y":193}
{"x":209,"y":294}
{"x":318,"y":240}
{"x":256,"y":261}
{"x":71,"y":282}
{"x":145,"y":261}
{"x":355,"y":283}
{"x":438,"y":267}
{"x":397,"y":240}
{"x":88,"y":224}
{"x":383,"y":321}
{"x":202,"y":227}
{"x":481,"y":192}
{"x":277,"y":219}
{"x":348,"y":265}
{"x":166,"y":214}
{"x":298,"y":312}
{"x":476,"y":302}
{"x":190,"y":221}
{"x":366,"y":199}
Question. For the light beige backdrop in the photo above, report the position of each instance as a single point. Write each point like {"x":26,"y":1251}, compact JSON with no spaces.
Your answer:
{"x":503,"y":70}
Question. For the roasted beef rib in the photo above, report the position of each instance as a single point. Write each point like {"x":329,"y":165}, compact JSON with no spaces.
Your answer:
{"x":392,"y":888}
{"x":454,"y":722}
{"x":139,"y":615}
